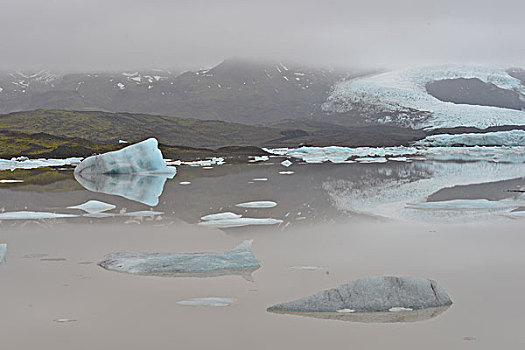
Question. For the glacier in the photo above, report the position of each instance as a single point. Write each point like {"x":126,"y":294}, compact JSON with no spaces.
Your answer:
{"x":498,"y":138}
{"x":372,"y":294}
{"x":401,"y":90}
{"x":237,"y":261}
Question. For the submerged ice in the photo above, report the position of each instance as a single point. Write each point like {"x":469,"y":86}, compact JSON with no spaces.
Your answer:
{"x":239,"y":260}
{"x":3,"y":251}
{"x":209,"y":301}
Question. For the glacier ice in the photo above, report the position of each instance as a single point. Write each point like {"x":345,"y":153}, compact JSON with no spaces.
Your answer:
{"x":286,"y":163}
{"x":208,"y":301}
{"x":257,"y":204}
{"x":145,"y":189}
{"x":498,"y":138}
{"x":372,"y":294}
{"x":33,"y":215}
{"x":237,"y":261}
{"x":221,"y":216}
{"x":400,"y":90}
{"x":239,"y":222}
{"x":3,"y":252}
{"x":141,"y":158}
{"x":93,"y":206}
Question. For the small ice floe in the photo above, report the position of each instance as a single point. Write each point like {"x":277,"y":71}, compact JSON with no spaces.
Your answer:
{"x":399,"y":159}
{"x":143,"y":213}
{"x":466,"y":204}
{"x":210,"y":301}
{"x":185,"y":183}
{"x":10,"y":181}
{"x":259,"y":159}
{"x":122,"y":141}
{"x":257,"y":204}
{"x":3,"y":251}
{"x":221,"y":216}
{"x":64,"y":320}
{"x":307,"y":268}
{"x":399,"y":309}
{"x":237,"y":261}
{"x":260,"y":179}
{"x":286,"y":163}
{"x":207,"y":167}
{"x":286,"y":172}
{"x":94,"y":206}
{"x":206,"y":163}
{"x":230,"y":223}
{"x":346,"y":310}
{"x":516,"y":214}
{"x":33,"y":215}
{"x":369,"y":160}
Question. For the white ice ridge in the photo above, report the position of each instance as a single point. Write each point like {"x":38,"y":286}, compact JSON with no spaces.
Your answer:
{"x":3,"y":251}
{"x":141,"y":158}
{"x":221,"y":216}
{"x":400,"y":90}
{"x":209,"y":301}
{"x":93,"y":206}
{"x":239,"y":222}
{"x":26,"y":163}
{"x":337,"y":154}
{"x":257,"y":204}
{"x":33,"y":215}
{"x":498,"y":138}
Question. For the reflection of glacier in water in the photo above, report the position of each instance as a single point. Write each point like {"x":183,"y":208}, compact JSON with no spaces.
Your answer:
{"x":141,"y":188}
{"x":387,"y":191}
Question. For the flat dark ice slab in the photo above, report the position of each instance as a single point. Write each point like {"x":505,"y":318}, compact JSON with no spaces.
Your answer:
{"x":372,"y":294}
{"x":237,"y":261}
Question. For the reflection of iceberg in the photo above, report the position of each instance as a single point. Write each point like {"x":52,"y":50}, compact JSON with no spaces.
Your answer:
{"x":371,"y":295}
{"x":237,"y":261}
{"x":137,"y":172}
{"x":141,"y":188}
{"x":374,"y":317}
{"x":3,"y":251}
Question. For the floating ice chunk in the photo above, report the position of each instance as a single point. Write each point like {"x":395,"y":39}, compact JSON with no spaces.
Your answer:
{"x":230,"y":223}
{"x":499,"y":138}
{"x":516,"y":214}
{"x":286,"y":172}
{"x":372,"y":294}
{"x":206,"y":163}
{"x":286,"y":163}
{"x":306,"y":267}
{"x":143,"y":213}
{"x":33,"y":215}
{"x":26,"y":163}
{"x":141,"y":158}
{"x":122,"y":141}
{"x":10,"y":181}
{"x":466,"y":204}
{"x":257,"y":204}
{"x":185,"y":183}
{"x":64,"y":320}
{"x":93,"y":206}
{"x":141,"y":188}
{"x":346,"y":310}
{"x":260,"y":158}
{"x":239,"y":260}
{"x":399,"y":309}
{"x":3,"y":251}
{"x":221,"y":216}
{"x":371,"y":160}
{"x":260,"y":179}
{"x":210,"y":301}
{"x":399,"y":159}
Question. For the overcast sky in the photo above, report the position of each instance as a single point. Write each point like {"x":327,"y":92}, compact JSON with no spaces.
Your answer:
{"x":124,"y":34}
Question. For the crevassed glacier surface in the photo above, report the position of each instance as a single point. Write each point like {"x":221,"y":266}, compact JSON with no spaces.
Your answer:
{"x":401,"y":90}
{"x":499,"y":138}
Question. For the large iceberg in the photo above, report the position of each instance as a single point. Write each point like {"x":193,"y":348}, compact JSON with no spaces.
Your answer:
{"x":237,"y":261}
{"x":141,"y":158}
{"x":372,"y":294}
{"x":137,"y":172}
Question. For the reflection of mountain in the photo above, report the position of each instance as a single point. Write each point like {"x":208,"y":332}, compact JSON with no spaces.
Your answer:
{"x":374,"y":317}
{"x":141,"y":188}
